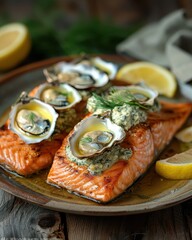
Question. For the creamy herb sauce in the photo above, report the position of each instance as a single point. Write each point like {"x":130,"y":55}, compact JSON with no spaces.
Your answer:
{"x":127,"y":116}
{"x":66,"y":120}
{"x":92,"y":106}
{"x":96,"y":165}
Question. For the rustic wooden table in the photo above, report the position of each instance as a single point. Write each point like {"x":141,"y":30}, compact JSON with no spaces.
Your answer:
{"x":21,"y":220}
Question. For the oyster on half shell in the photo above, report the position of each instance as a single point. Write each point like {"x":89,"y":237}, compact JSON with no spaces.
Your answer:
{"x":93,"y":135}
{"x":60,"y":96}
{"x":108,"y":68}
{"x":143,"y":95}
{"x":32,"y":120}
{"x":82,"y":74}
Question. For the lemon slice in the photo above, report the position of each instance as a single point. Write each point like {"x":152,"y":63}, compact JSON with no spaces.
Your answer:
{"x":14,"y":45}
{"x":177,"y":167}
{"x":185,"y":135}
{"x":154,"y":76}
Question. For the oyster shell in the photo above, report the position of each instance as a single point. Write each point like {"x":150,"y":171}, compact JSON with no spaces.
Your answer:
{"x":60,"y":96}
{"x":108,"y":68}
{"x":93,"y":135}
{"x":82,"y":74}
{"x":143,"y":95}
{"x":32,"y":120}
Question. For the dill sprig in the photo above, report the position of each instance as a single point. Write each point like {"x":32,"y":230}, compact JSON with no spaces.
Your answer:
{"x":117,"y":98}
{"x":66,"y":94}
{"x":32,"y":117}
{"x":85,"y":140}
{"x":102,"y":102}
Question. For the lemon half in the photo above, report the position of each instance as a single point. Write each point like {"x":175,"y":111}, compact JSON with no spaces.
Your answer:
{"x":14,"y":45}
{"x":177,"y":167}
{"x":154,"y":76}
{"x":185,"y":135}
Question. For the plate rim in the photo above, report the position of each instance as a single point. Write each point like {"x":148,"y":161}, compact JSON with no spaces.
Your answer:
{"x":92,"y":210}
{"x":83,"y":209}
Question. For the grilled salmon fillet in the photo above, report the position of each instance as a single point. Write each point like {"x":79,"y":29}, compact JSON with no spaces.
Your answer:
{"x":26,"y":159}
{"x":146,"y":141}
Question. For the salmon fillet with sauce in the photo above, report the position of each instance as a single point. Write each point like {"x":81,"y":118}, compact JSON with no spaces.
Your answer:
{"x":146,"y":141}
{"x":26,"y":159}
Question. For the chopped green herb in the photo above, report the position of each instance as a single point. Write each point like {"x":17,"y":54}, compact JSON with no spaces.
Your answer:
{"x":32,"y":117}
{"x":117,"y":98}
{"x":66,"y":94}
{"x":86,"y":140}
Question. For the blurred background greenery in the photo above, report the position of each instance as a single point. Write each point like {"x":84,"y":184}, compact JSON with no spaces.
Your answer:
{"x":68,"y":27}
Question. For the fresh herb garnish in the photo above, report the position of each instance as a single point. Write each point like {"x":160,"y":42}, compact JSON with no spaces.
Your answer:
{"x":54,"y":33}
{"x":85,"y":140}
{"x":32,"y":117}
{"x":66,"y":94}
{"x":117,"y":98}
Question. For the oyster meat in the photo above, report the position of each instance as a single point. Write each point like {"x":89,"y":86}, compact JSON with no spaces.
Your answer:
{"x":60,"y":96}
{"x":82,"y":74}
{"x":32,"y":120}
{"x":108,"y":68}
{"x":142,"y":94}
{"x":93,"y":135}
{"x":93,"y":141}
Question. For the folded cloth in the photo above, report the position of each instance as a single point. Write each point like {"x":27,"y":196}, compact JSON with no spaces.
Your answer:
{"x":168,"y":43}
{"x":179,"y":54}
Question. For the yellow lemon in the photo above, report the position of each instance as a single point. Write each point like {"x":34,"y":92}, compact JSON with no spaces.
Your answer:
{"x":177,"y":167}
{"x":185,"y":135}
{"x":154,"y":76}
{"x":14,"y":45}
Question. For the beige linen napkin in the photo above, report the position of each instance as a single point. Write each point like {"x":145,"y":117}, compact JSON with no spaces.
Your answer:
{"x":168,"y":43}
{"x":179,"y":54}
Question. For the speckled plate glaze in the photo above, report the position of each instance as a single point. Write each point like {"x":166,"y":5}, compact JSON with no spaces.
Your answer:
{"x":148,"y":194}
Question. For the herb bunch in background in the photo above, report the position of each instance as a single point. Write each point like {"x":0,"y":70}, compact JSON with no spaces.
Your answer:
{"x":52,"y":36}
{"x":93,"y":36}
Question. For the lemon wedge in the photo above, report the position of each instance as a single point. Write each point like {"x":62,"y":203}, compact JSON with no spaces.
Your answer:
{"x":154,"y":76}
{"x":14,"y":45}
{"x":176,"y":167}
{"x":185,"y":135}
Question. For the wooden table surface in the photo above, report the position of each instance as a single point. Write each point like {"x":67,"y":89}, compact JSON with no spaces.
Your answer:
{"x":22,"y":220}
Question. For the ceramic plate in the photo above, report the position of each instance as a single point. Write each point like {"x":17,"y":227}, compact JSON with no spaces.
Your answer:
{"x":149,"y":194}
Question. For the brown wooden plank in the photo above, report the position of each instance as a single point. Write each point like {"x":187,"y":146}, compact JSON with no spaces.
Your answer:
{"x":19,"y":219}
{"x":104,"y":228}
{"x":187,"y":209}
{"x":167,"y":224}
{"x":172,"y":223}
